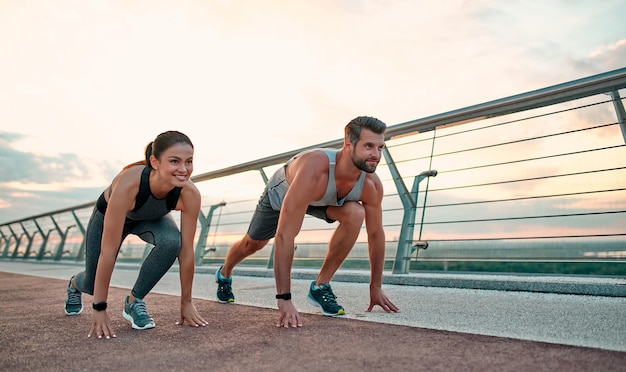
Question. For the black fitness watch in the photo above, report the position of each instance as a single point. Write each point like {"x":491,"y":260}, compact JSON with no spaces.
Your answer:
{"x":285,"y":296}
{"x":100,"y":306}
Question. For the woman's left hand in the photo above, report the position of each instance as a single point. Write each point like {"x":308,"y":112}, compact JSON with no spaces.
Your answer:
{"x":189,"y":315}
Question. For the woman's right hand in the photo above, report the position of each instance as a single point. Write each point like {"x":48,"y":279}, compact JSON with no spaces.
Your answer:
{"x":100,"y":325}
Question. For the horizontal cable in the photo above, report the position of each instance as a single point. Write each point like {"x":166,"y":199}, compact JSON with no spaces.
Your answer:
{"x":524,"y":198}
{"x":528,"y":179}
{"x":525,"y":217}
{"x":530,"y":237}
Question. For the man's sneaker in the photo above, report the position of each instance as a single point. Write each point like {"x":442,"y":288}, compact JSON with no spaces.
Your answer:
{"x":224,"y":288}
{"x":324,"y":298}
{"x":136,"y":313}
{"x":73,"y":304}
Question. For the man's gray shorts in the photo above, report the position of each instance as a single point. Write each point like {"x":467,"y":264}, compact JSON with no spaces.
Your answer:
{"x":265,"y":219}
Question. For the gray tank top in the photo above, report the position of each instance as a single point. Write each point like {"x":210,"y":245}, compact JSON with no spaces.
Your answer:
{"x":277,"y":185}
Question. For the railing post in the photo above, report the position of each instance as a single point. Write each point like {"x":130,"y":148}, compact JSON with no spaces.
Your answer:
{"x":59,"y":252}
{"x":30,"y":240}
{"x":5,"y":250}
{"x":42,"y":248}
{"x":409,"y":202}
{"x":619,"y":110}
{"x":205,"y":225}
{"x":18,"y":241}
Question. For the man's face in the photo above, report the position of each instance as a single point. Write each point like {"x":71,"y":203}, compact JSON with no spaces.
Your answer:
{"x":367,"y":151}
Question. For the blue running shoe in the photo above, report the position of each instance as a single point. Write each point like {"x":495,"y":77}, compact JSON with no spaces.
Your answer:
{"x":73,"y":303}
{"x":324,"y":298}
{"x":137,"y":314}
{"x":224,"y":288}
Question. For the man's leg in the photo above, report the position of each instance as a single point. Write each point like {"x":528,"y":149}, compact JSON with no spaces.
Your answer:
{"x":350,"y":217}
{"x":239,"y":251}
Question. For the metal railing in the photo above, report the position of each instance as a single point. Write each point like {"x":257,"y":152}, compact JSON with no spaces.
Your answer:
{"x":535,"y":177}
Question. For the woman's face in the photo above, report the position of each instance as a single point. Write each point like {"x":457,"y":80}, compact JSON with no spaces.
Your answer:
{"x":175,"y":164}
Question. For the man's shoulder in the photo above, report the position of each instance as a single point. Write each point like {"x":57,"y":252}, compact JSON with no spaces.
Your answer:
{"x":314,"y":157}
{"x":372,"y":186}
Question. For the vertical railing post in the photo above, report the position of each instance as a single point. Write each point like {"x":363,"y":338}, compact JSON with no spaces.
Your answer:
{"x":59,"y":252}
{"x":409,"y":202}
{"x":30,"y":240}
{"x":619,"y":110}
{"x":205,"y":225}
{"x":18,"y":241}
{"x":42,"y":248}
{"x":5,"y":250}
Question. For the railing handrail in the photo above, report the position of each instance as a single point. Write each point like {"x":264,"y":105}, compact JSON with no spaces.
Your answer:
{"x":589,"y":86}
{"x":597,"y":84}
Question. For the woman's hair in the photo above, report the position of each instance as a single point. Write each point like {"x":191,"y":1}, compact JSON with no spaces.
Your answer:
{"x":354,"y":127}
{"x":161,"y":143}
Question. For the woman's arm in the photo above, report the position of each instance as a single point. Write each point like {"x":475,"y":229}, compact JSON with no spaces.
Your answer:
{"x":190,"y":208}
{"x":121,"y":200}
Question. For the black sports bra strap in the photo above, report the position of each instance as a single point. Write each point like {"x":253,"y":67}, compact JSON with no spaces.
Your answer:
{"x":172,"y":198}
{"x":144,"y":189}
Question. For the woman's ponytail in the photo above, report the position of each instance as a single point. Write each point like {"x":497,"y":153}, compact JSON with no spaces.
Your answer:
{"x":146,"y":161}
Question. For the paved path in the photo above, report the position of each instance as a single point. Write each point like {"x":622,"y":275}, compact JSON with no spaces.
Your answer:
{"x":438,"y":328}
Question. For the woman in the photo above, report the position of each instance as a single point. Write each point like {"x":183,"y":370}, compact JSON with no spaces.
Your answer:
{"x":138,"y":201}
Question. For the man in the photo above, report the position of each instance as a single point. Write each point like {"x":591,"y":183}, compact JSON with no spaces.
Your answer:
{"x":334,"y":185}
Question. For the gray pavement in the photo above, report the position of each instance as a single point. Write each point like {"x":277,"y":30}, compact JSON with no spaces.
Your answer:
{"x":596,"y":321}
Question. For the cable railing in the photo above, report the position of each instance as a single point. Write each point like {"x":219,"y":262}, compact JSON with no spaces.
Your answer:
{"x":534,"y":178}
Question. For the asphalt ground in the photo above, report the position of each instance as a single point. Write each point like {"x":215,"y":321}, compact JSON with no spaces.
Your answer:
{"x":439,"y":329}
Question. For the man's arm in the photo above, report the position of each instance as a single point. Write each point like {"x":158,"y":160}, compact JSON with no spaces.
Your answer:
{"x":372,"y":202}
{"x":307,"y":176}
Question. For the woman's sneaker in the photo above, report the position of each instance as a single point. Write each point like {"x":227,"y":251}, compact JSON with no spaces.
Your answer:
{"x":224,"y":288}
{"x":324,"y":298}
{"x":73,"y":303}
{"x":137,"y":314}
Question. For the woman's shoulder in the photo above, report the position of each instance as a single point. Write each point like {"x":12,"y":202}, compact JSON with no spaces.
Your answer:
{"x":129,"y":177}
{"x":190,"y":190}
{"x":190,"y":199}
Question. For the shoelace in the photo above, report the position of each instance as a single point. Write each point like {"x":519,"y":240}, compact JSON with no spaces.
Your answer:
{"x":328,"y":295}
{"x":225,"y":287}
{"x":73,"y":297}
{"x":140,"y":307}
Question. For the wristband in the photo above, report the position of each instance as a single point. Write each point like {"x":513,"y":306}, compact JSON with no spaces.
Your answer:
{"x":100,"y":306}
{"x":285,"y":296}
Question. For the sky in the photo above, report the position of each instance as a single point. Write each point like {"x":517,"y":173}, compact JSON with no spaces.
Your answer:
{"x":85,"y":85}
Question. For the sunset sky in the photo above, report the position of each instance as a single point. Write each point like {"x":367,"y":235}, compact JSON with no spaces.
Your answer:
{"x":85,"y":85}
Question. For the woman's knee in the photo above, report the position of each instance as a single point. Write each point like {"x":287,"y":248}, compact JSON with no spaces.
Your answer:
{"x":170,"y":243}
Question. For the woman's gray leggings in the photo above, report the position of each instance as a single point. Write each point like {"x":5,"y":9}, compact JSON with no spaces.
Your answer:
{"x":162,"y":233}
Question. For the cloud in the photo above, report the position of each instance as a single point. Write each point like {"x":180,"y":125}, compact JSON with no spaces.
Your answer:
{"x":32,"y":168}
{"x":32,"y":183}
{"x":609,"y":57}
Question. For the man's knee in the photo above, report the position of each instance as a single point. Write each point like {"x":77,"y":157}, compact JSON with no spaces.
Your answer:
{"x":351,"y":213}
{"x":250,"y":245}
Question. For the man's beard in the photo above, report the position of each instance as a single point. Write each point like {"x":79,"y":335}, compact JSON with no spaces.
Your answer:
{"x":362,"y":164}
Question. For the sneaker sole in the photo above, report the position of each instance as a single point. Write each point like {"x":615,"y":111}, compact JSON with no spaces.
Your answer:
{"x":73,"y":313}
{"x":132,"y":323}
{"x":315,"y":303}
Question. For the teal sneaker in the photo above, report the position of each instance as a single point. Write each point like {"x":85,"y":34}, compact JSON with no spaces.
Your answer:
{"x":73,"y":303}
{"x":324,"y":298}
{"x":224,"y":288}
{"x":137,"y":314}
